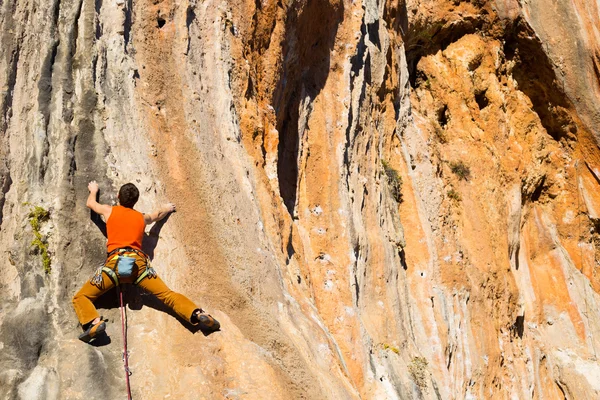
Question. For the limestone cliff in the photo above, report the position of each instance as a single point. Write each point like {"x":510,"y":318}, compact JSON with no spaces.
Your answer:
{"x":377,"y":199}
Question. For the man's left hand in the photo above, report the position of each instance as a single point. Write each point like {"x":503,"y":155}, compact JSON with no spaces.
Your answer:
{"x":169,"y":208}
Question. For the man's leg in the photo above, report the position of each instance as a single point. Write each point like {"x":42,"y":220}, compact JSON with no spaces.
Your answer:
{"x":177,"y":302}
{"x":83,"y":301}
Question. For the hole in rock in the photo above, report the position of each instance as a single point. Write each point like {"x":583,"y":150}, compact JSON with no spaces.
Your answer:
{"x":481,"y":99}
{"x":189,"y":17}
{"x":519,"y":326}
{"x":160,"y":21}
{"x":402,"y":255}
{"x":475,"y":63}
{"x":442,"y":116}
{"x":538,"y":190}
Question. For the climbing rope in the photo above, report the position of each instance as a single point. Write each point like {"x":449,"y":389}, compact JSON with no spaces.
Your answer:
{"x":125,"y":352}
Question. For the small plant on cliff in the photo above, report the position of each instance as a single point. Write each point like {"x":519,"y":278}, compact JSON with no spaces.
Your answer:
{"x":418,"y":371}
{"x":387,"y":346}
{"x":36,"y":216}
{"x":454,"y":195}
{"x":461,"y":170}
{"x":394,"y":180}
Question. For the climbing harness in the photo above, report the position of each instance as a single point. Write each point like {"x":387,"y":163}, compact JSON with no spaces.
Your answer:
{"x":123,"y":267}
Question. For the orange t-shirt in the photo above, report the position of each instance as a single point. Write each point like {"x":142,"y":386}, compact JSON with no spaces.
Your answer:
{"x":125,"y":228}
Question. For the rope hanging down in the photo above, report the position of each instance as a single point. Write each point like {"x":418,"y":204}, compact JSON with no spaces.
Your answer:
{"x":125,"y":352}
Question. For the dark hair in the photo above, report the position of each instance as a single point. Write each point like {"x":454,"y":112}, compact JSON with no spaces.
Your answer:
{"x":128,"y":195}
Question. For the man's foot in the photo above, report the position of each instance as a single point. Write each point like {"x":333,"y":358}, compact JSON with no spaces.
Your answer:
{"x":206,"y":321}
{"x":92,"y":330}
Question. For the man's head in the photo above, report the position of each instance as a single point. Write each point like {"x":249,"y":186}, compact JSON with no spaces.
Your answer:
{"x":128,"y":195}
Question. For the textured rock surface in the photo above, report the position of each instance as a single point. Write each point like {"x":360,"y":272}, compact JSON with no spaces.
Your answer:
{"x":282,"y":131}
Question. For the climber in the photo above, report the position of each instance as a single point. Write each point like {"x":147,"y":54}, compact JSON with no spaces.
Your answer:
{"x":126,"y":263}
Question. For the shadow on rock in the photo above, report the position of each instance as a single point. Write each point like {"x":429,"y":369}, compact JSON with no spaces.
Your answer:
{"x":136,"y":299}
{"x":101,"y":340}
{"x":151,"y":238}
{"x":151,"y":301}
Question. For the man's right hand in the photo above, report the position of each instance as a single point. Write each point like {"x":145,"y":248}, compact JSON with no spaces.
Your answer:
{"x":93,"y":187}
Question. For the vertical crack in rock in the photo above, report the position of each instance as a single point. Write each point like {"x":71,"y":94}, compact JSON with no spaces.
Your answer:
{"x":127,"y":24}
{"x":98,"y":8}
{"x":305,"y":71}
{"x":373,"y":30}
{"x":5,"y":116}
{"x":562,"y":390}
{"x":190,"y":17}
{"x":358,"y":61}
{"x":45,"y":88}
{"x":8,"y":97}
{"x":73,"y":161}
{"x":85,"y":103}
{"x":5,"y":182}
{"x":56,"y":14}
{"x":45,"y":82}
{"x":86,"y":129}
{"x":75,"y":33}
{"x":393,"y":91}
{"x":94,"y":72}
{"x":45,"y":100}
{"x":449,"y":354}
{"x":262,"y":34}
{"x":356,"y":287}
{"x":402,"y":255}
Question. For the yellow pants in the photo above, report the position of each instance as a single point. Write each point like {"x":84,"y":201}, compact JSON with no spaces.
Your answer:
{"x":83,"y":301}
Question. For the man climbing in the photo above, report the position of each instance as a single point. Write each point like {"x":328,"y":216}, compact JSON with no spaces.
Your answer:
{"x":126,"y":263}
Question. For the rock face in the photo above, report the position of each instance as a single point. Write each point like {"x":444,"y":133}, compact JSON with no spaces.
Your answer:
{"x":378,"y":200}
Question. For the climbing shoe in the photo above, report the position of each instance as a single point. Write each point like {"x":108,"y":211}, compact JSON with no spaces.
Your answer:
{"x":92,"y":331}
{"x":205,"y":321}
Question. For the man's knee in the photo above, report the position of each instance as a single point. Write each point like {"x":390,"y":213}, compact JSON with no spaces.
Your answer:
{"x":80,"y":295}
{"x":76,"y":298}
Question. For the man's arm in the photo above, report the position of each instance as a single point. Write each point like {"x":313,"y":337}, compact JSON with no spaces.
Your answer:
{"x":91,"y":203}
{"x":159,"y":214}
